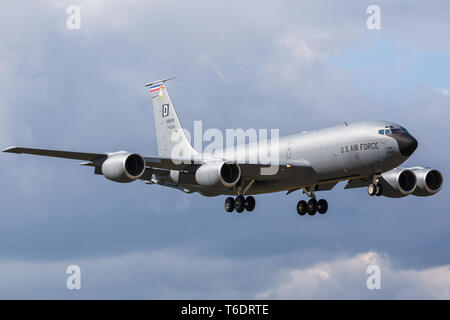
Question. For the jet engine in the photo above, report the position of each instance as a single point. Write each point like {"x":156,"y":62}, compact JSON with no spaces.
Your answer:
{"x":429,"y":181}
{"x":123,"y":167}
{"x":398,"y":183}
{"x":218,"y":174}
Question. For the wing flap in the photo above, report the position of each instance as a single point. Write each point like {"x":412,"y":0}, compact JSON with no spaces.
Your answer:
{"x":326,"y":186}
{"x":357,"y":183}
{"x":300,"y":169}
{"x":172,"y":164}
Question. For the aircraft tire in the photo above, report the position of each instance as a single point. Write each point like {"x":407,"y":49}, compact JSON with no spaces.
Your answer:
{"x":379,"y":191}
{"x":301,"y":207}
{"x":239,"y":204}
{"x":322,"y":206}
{"x":250,"y":203}
{"x":371,"y":189}
{"x":312,"y":207}
{"x":229,"y":204}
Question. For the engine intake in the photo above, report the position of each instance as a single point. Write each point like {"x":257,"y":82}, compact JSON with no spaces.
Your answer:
{"x":218,"y":174}
{"x":123,"y":167}
{"x":398,"y":183}
{"x":429,"y":181}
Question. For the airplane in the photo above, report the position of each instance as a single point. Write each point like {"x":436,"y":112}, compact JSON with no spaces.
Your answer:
{"x":365,"y":154}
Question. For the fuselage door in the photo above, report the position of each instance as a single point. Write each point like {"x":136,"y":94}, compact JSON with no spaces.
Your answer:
{"x":289,"y":150}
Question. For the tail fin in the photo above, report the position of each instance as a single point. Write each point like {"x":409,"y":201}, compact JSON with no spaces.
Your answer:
{"x":169,"y":132}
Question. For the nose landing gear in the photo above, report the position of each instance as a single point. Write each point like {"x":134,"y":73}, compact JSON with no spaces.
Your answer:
{"x":374,"y":188}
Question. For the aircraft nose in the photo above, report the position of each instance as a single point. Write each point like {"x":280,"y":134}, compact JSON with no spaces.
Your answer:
{"x":407,"y":144}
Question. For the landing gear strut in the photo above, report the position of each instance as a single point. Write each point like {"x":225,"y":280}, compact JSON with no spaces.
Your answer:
{"x":312,"y":206}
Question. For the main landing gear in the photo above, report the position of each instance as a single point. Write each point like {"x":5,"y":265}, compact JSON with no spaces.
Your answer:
{"x":312,"y":206}
{"x":240,"y":204}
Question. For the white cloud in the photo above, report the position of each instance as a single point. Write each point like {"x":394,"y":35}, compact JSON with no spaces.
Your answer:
{"x":443,"y":91}
{"x":346,"y":278}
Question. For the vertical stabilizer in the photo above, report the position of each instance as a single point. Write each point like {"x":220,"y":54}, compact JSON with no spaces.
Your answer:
{"x":170,"y":135}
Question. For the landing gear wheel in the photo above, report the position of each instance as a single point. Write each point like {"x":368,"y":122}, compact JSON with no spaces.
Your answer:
{"x":301,"y":207}
{"x":250,"y":203}
{"x":371,"y":189}
{"x":322,"y":206}
{"x":379,"y":191}
{"x":229,"y":204}
{"x":239,"y":204}
{"x":312,"y":207}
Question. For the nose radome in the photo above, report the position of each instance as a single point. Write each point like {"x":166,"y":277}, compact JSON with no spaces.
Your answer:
{"x":406,"y":143}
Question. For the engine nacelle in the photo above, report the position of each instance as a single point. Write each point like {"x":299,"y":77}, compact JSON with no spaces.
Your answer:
{"x":398,"y":183}
{"x":218,"y":174}
{"x":123,"y":167}
{"x":429,"y":181}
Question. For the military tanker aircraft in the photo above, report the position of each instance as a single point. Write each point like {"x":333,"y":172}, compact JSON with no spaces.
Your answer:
{"x":365,"y":154}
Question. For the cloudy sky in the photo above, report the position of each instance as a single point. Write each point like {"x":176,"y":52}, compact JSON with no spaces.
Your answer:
{"x":240,"y":65}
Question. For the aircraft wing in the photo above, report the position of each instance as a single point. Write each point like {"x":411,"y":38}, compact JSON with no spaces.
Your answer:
{"x":58,"y":153}
{"x":95,"y":159}
{"x":248,"y":170}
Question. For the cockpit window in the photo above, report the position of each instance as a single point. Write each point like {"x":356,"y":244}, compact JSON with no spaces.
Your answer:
{"x":399,"y":130}
{"x":391,"y":129}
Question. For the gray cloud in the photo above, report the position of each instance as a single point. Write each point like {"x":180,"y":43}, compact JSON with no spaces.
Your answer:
{"x":239,"y":65}
{"x":181,"y":274}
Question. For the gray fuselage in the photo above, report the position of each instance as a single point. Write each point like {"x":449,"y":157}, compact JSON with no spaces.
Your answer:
{"x":338,"y":153}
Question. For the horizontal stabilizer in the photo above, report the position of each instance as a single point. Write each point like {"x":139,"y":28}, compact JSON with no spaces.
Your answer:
{"x":158,"y":81}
